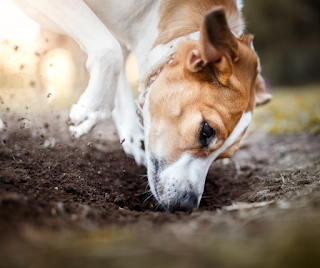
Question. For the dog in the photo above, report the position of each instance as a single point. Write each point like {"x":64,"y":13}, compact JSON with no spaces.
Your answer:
{"x":199,"y":79}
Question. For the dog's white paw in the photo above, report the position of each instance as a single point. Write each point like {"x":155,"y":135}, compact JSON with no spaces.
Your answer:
{"x":83,"y":119}
{"x":132,"y":146}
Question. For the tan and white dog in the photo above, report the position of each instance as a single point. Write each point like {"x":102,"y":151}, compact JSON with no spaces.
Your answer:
{"x":199,"y":77}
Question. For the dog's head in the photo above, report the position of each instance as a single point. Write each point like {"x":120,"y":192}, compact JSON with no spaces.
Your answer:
{"x":198,"y":110}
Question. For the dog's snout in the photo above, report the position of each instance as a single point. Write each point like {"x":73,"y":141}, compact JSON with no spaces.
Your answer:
{"x":186,"y":202}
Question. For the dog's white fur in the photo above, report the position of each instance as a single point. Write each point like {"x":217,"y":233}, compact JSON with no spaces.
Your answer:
{"x":106,"y":39}
{"x":107,"y":30}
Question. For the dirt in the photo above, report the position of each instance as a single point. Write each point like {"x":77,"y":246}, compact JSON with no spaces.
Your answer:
{"x":52,"y":184}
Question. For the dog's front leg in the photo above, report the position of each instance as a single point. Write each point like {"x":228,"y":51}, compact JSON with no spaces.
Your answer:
{"x":76,"y":19}
{"x":125,"y":117}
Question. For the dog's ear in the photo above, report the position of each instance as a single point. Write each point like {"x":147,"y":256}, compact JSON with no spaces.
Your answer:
{"x":217,"y":46}
{"x":261,"y":93}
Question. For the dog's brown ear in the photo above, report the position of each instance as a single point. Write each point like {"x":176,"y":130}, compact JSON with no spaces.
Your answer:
{"x":261,"y":93}
{"x":217,"y":45}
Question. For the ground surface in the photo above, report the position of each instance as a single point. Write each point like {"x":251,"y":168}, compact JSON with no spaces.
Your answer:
{"x":68,"y":202}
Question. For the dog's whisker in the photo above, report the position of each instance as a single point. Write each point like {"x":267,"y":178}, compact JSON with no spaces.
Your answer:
{"x":146,"y":199}
{"x":147,"y":187}
{"x":143,"y":193}
{"x":130,"y":156}
{"x":156,"y":207}
{"x":205,"y":197}
{"x":145,"y":183}
{"x":165,"y":208}
{"x":150,"y":128}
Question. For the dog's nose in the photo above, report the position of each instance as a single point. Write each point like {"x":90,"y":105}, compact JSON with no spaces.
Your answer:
{"x":186,"y":202}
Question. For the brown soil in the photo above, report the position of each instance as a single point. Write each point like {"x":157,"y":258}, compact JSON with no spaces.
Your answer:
{"x":87,"y":178}
{"x":52,"y":182}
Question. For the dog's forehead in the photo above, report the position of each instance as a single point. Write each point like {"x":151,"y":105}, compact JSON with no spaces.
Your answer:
{"x":178,"y":95}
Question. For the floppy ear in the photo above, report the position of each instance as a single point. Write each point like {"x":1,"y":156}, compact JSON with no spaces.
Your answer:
{"x":261,"y":93}
{"x":217,"y":46}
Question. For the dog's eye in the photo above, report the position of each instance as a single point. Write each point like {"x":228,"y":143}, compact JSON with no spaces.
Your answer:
{"x":206,"y":135}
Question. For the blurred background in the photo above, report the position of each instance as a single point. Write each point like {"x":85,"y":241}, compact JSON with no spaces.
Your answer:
{"x":287,"y":38}
{"x":41,"y":69}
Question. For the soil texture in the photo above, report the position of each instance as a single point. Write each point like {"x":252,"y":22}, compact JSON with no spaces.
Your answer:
{"x":53,"y":183}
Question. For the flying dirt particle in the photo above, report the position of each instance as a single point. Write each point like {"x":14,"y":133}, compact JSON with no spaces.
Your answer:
{"x":16,"y":48}
{"x":51,"y":65}
{"x":122,"y":141}
{"x":47,"y":40}
{"x":41,"y":135}
{"x":36,"y":53}
{"x":8,"y":109}
{"x":46,"y":125}
{"x":4,"y":141}
{"x":22,"y":125}
{"x":50,"y":142}
{"x":21,"y":67}
{"x":48,"y":96}
{"x":22,"y":118}
{"x":32,"y":83}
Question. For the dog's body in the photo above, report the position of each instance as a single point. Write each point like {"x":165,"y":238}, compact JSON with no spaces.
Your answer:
{"x":199,"y":107}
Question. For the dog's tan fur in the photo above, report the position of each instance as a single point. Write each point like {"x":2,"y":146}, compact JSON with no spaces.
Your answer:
{"x":197,"y":96}
{"x":202,"y":84}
